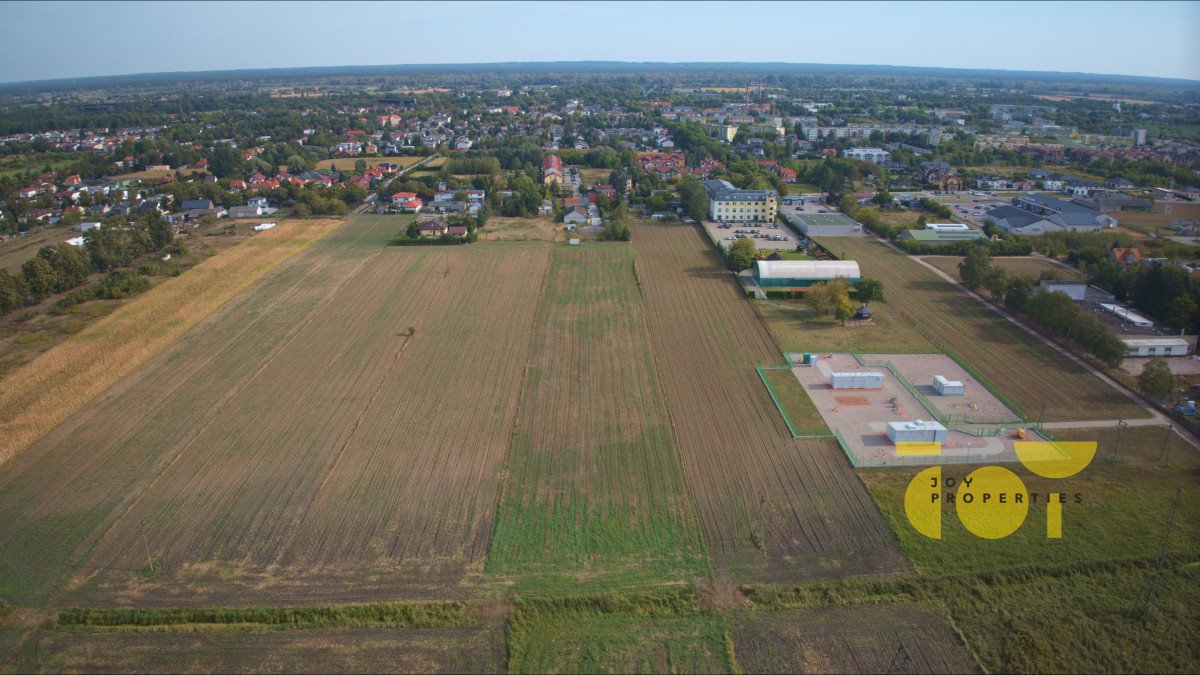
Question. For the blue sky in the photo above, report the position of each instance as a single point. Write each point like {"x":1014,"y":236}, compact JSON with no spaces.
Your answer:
{"x":45,"y":40}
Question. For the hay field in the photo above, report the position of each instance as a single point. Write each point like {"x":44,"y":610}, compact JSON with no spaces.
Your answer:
{"x":594,"y":492}
{"x":770,"y":507}
{"x":1026,"y":370}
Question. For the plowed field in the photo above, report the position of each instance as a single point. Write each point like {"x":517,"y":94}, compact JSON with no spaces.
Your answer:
{"x":770,"y":507}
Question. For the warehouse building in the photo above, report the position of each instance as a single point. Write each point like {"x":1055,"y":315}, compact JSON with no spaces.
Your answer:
{"x":1156,"y":347}
{"x":803,"y":273}
{"x":930,"y":236}
{"x":729,"y":204}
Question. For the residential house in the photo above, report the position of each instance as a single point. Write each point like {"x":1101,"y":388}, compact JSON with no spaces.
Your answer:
{"x":1125,"y":256}
{"x":432,"y":229}
{"x":990,"y":181}
{"x":577,"y":216}
{"x":192,"y":204}
{"x":1082,"y":188}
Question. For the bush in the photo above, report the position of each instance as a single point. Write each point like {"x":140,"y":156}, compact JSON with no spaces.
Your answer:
{"x":123,"y":284}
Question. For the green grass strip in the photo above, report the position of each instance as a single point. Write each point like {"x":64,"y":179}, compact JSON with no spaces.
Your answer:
{"x":406,"y":615}
{"x":778,"y":406}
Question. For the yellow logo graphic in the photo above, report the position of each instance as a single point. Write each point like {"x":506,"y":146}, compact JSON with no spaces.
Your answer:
{"x":992,"y":502}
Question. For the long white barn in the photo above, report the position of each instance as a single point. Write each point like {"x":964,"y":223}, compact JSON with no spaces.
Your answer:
{"x":801,"y":273}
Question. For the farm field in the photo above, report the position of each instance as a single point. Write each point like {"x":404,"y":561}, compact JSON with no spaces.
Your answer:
{"x":366,"y":485}
{"x":665,"y":634}
{"x":1027,"y":371}
{"x":1019,"y":265}
{"x":252,"y":493}
{"x":60,"y":381}
{"x":159,"y":174}
{"x":770,"y":507}
{"x":594,"y":491}
{"x":347,"y":163}
{"x":1156,"y":221}
{"x":857,"y":639}
{"x":368,"y":650}
{"x":502,"y":228}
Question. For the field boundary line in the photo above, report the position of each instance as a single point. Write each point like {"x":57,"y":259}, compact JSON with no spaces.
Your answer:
{"x":216,"y":409}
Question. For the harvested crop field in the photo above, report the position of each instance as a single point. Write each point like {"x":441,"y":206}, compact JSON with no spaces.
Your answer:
{"x":62,"y":380}
{"x":1026,"y":370}
{"x":299,"y":445}
{"x":899,"y":638}
{"x":770,"y":507}
{"x":540,"y":228}
{"x":373,"y":650}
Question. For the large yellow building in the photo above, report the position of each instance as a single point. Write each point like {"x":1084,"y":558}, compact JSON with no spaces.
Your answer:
{"x":729,"y":204}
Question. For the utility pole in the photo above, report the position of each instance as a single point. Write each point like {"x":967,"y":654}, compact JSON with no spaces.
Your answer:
{"x":1150,"y":600}
{"x":1165,"y":455}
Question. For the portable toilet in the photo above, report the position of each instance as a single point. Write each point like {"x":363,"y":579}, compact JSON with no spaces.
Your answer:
{"x":807,"y":359}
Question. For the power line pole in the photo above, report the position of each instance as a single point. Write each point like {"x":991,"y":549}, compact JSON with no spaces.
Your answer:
{"x":1150,"y":600}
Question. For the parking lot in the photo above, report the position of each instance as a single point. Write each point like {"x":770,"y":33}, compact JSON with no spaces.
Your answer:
{"x":766,"y":236}
{"x":973,"y":207}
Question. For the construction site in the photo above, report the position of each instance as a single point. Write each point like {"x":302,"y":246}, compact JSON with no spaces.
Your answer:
{"x":909,"y":409}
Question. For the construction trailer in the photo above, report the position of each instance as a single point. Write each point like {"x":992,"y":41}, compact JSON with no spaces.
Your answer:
{"x":857,"y":380}
{"x":946,"y":387}
{"x":917,"y":431}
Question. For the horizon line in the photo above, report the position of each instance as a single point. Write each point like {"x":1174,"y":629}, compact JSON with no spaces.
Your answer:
{"x":960,"y":72}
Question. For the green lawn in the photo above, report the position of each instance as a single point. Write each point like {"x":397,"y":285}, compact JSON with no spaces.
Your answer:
{"x":802,"y":414}
{"x":797,"y":328}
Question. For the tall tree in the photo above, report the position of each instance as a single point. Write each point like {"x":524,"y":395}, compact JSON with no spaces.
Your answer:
{"x":1156,"y":380}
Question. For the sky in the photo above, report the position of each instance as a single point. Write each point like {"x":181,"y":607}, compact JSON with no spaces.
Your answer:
{"x":48,"y":40}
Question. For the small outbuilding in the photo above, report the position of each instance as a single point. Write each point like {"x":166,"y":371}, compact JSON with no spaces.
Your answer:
{"x":946,"y":387}
{"x":917,"y":431}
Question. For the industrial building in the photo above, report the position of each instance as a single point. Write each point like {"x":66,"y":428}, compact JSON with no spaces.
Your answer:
{"x":917,"y":431}
{"x":930,"y":236}
{"x":1035,"y":214}
{"x":803,"y":273}
{"x":1127,"y":315}
{"x":1156,"y":347}
{"x":946,"y":387}
{"x":867,"y":379}
{"x":729,"y":204}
